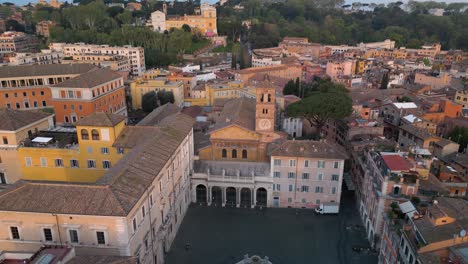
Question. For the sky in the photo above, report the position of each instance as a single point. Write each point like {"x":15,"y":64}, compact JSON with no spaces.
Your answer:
{"x":22,"y":2}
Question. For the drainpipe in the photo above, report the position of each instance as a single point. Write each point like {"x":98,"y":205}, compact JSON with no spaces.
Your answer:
{"x":58,"y":228}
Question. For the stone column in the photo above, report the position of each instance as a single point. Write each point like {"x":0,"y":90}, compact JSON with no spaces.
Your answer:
{"x":254,"y":198}
{"x":238,"y":198}
{"x":223,"y":196}
{"x":210,"y":199}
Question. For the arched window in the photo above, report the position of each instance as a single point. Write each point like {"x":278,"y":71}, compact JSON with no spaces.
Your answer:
{"x":244,"y":153}
{"x":95,"y":134}
{"x":84,"y":134}
{"x":269,"y":97}
{"x":234,"y":154}
{"x":224,"y":153}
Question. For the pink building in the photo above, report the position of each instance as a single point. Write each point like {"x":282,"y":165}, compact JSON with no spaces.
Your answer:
{"x":340,"y":68}
{"x":306,"y":173}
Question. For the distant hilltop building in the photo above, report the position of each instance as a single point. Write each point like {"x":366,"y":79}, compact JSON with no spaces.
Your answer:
{"x":52,"y":3}
{"x":204,"y":19}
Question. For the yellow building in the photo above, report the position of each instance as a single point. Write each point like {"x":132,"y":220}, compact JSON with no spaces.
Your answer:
{"x":82,"y":156}
{"x":15,"y":127}
{"x":461,"y":97}
{"x":140,"y":87}
{"x":204,"y":20}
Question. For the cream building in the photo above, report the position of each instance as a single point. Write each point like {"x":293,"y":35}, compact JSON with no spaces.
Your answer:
{"x":461,"y":97}
{"x":135,"y":209}
{"x":16,"y":126}
{"x":116,"y":63}
{"x":136,"y":55}
{"x":140,"y":87}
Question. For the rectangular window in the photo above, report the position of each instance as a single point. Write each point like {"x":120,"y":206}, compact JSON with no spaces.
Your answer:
{"x":291,"y":187}
{"x":47,"y":234}
{"x":5,"y":140}
{"x":14,"y":232}
{"x":74,"y":163}
{"x":58,"y":163}
{"x":306,"y":163}
{"x":70,"y":94}
{"x":101,"y":238}
{"x":151,"y":199}
{"x":305,"y":175}
{"x":276,"y":187}
{"x":277,"y":162}
{"x":304,"y":200}
{"x":292,"y":163}
{"x":43,"y":162}
{"x":321,"y":164}
{"x":305,"y":188}
{"x":134,"y":222}
{"x":91,"y":164}
{"x":291,"y":175}
{"x":320,"y":176}
{"x":44,"y":103}
{"x":318,"y":189}
{"x":333,"y":190}
{"x":28,"y":161}
{"x":73,"y":236}
{"x":336,"y":164}
{"x":72,"y":107}
{"x":105,"y":150}
{"x":334,"y":177}
{"x":277,"y":174}
{"x":289,"y":200}
{"x":120,"y":150}
{"x":143,"y":212}
{"x":106,"y":164}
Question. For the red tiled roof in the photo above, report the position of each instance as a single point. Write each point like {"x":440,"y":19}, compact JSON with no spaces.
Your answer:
{"x":396,"y":162}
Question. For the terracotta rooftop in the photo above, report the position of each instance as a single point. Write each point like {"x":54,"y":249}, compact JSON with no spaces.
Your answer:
{"x":307,"y":149}
{"x":396,"y":162}
{"x":44,"y":70}
{"x":134,"y":135}
{"x":239,"y":111}
{"x":12,"y":120}
{"x":101,"y":119}
{"x":159,"y":114}
{"x":90,"y":79}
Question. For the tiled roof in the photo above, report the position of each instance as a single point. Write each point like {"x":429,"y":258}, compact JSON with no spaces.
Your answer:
{"x":44,"y":70}
{"x":114,"y":194}
{"x":101,"y":119}
{"x":12,"y":120}
{"x":90,"y":79}
{"x":396,"y":163}
{"x":239,"y":111}
{"x":417,"y":131}
{"x":308,"y":149}
{"x":159,"y":114}
{"x":103,"y":260}
{"x":133,"y":135}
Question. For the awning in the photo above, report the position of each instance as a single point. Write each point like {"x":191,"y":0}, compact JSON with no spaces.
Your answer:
{"x":42,"y":140}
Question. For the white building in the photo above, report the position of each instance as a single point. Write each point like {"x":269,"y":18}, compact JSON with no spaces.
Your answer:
{"x":43,"y":57}
{"x":135,"y":54}
{"x":293,"y":126}
{"x":158,"y":21}
{"x":263,"y":61}
{"x":386,"y":44}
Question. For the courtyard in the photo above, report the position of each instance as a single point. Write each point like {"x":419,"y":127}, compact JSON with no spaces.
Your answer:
{"x":225,"y":235}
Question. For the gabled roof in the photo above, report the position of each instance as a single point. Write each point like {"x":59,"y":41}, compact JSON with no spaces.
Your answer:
{"x":12,"y":120}
{"x":44,"y":70}
{"x":90,"y":79}
{"x":114,"y":194}
{"x":101,"y":119}
{"x":240,"y":111}
{"x":159,"y":114}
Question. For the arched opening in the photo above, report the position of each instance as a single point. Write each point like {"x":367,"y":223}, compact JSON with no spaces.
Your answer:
{"x":84,"y":134}
{"x":224,"y":153}
{"x":261,"y":197}
{"x":234,"y":154}
{"x":201,"y":193}
{"x":231,"y":196}
{"x":396,"y":190}
{"x":95,"y":134}
{"x":244,"y":154}
{"x":216,"y":195}
{"x":269,"y":97}
{"x":246,"y":197}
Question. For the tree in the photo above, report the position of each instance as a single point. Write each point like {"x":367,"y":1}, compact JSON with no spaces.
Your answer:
{"x":165,"y":97}
{"x":149,"y":101}
{"x":320,"y":107}
{"x":460,"y":136}
{"x":14,"y":25}
{"x":186,"y":28}
{"x":291,"y":88}
{"x":384,"y":82}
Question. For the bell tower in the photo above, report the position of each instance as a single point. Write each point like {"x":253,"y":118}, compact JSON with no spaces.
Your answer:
{"x":265,"y":107}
